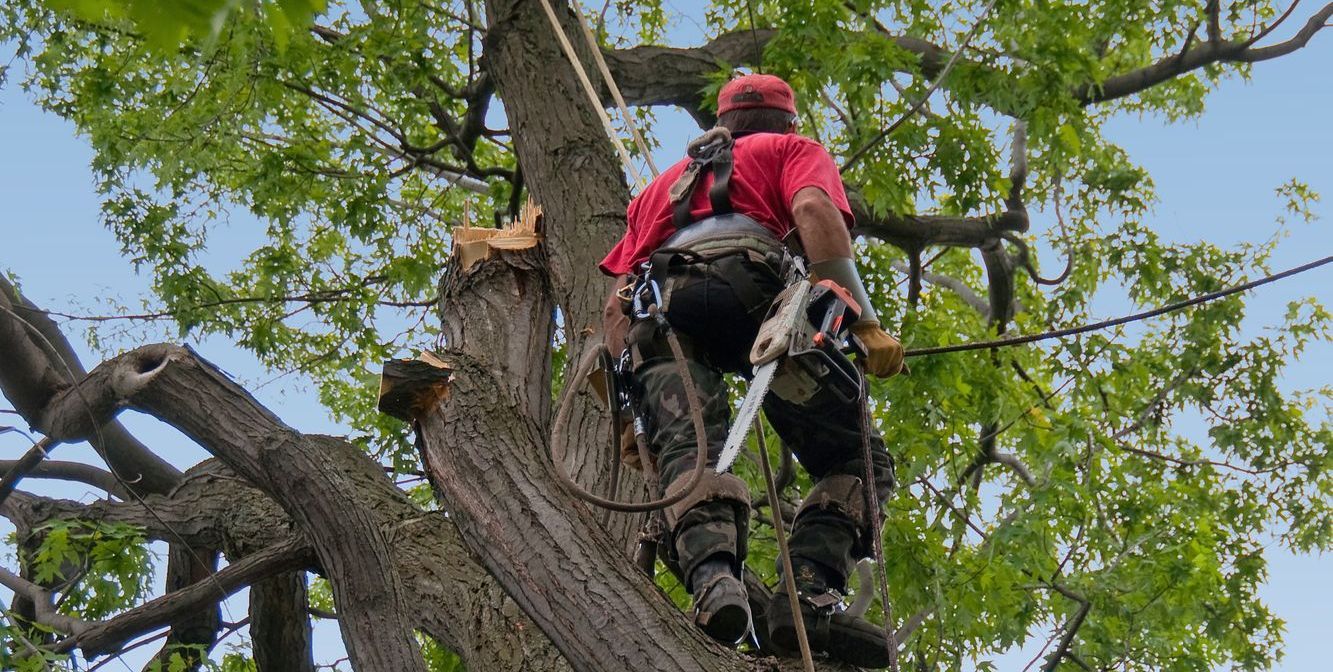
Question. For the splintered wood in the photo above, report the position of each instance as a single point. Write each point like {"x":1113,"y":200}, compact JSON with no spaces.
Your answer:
{"x":472,"y":244}
{"x":410,"y":387}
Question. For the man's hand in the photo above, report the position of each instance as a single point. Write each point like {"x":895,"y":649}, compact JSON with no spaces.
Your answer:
{"x":884,"y":354}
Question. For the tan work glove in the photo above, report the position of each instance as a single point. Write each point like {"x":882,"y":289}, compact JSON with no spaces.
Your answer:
{"x":884,"y":354}
{"x":629,"y":448}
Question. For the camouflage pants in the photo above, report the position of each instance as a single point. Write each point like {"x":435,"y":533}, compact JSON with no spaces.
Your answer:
{"x":824,"y":433}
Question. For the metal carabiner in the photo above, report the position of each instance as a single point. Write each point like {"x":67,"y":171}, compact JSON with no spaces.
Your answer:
{"x":646,"y":284}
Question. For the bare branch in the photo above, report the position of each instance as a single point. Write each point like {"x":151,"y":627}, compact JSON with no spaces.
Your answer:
{"x":73,"y":471}
{"x":43,"y":368}
{"x":1010,"y":460}
{"x":106,"y":637}
{"x":1261,"y":34}
{"x":1214,"y":10}
{"x":1200,"y":55}
{"x":1018,"y":166}
{"x":23,"y":465}
{"x":1317,"y":22}
{"x":42,"y":600}
{"x":1070,"y":628}
{"x":964,"y":292}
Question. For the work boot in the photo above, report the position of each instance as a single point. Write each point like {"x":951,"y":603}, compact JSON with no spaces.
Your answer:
{"x":829,"y":629}
{"x":721,"y":609}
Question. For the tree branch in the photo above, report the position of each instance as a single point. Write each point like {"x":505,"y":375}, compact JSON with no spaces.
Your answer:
{"x":42,"y":369}
{"x":73,"y":471}
{"x":964,"y":292}
{"x":107,"y":637}
{"x":279,"y":624}
{"x":1198,"y":56}
{"x":42,"y":600}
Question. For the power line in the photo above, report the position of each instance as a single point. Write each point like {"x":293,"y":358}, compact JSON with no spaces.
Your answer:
{"x":1106,"y":324}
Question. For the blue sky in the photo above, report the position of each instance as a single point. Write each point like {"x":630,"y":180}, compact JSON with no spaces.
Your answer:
{"x":1215,"y":178}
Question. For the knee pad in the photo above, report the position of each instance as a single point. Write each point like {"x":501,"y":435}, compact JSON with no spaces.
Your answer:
{"x":724,"y":489}
{"x":712,"y":486}
{"x":844,"y":494}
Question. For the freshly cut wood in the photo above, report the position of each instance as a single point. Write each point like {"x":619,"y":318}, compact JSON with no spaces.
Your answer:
{"x":473,"y":244}
{"x":410,"y":386}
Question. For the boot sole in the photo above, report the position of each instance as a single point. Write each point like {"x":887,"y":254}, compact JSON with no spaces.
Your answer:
{"x":728,"y":624}
{"x":850,"y":640}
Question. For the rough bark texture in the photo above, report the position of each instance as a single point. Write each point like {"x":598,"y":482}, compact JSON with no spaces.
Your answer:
{"x":514,"y":574}
{"x":574,"y":174}
{"x":329,"y":491}
{"x":197,"y":628}
{"x":38,"y":369}
{"x":280,"y":624}
{"x":487,"y":455}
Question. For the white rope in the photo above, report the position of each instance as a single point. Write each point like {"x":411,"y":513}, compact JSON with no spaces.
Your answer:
{"x":592,"y":93}
{"x":615,"y":90}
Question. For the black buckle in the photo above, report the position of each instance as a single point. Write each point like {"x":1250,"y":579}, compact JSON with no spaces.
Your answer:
{"x":825,"y":603}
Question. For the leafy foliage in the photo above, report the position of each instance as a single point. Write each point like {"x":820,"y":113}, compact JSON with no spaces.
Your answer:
{"x":347,"y":142}
{"x":105,"y":565}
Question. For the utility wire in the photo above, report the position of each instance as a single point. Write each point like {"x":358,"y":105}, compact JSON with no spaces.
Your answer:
{"x":1106,"y":324}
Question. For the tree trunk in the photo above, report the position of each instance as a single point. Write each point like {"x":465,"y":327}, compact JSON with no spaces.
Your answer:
{"x":280,"y":624}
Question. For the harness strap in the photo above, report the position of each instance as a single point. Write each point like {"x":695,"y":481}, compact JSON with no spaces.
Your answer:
{"x":719,"y":195}
{"x":712,"y":152}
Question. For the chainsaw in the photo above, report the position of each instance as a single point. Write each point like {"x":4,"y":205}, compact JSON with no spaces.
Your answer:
{"x":803,"y":346}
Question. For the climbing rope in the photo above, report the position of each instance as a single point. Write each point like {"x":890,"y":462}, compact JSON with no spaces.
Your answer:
{"x":615,"y":90}
{"x":780,"y":534}
{"x":1107,"y":324}
{"x":696,"y":418}
{"x":596,"y":101}
{"x":870,"y":491}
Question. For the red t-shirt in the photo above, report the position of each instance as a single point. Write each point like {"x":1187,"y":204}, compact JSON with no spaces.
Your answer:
{"x":769,"y":169}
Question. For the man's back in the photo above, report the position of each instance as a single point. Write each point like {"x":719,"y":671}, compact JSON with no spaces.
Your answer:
{"x":769,"y":169}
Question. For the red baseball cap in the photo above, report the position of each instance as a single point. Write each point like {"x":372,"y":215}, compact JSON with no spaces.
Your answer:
{"x":749,"y":91}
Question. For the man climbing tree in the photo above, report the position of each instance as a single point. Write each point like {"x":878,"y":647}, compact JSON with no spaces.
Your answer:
{"x":705,"y":238}
{"x":287,"y":177}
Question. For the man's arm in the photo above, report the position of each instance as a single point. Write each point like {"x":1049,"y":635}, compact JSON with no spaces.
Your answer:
{"x":828,"y":246}
{"x":819,"y":222}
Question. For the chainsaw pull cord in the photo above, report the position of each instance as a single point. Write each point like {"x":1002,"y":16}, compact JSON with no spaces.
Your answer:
{"x":696,"y":418}
{"x":872,"y":505}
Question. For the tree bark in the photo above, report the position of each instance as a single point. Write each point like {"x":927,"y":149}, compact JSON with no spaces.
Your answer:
{"x":572,"y":171}
{"x":280,"y":624}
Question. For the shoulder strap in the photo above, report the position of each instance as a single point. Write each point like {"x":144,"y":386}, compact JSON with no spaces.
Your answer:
{"x":712,"y":152}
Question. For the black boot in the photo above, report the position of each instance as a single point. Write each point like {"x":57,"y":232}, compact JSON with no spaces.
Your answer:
{"x":829,"y":630}
{"x":721,"y":609}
